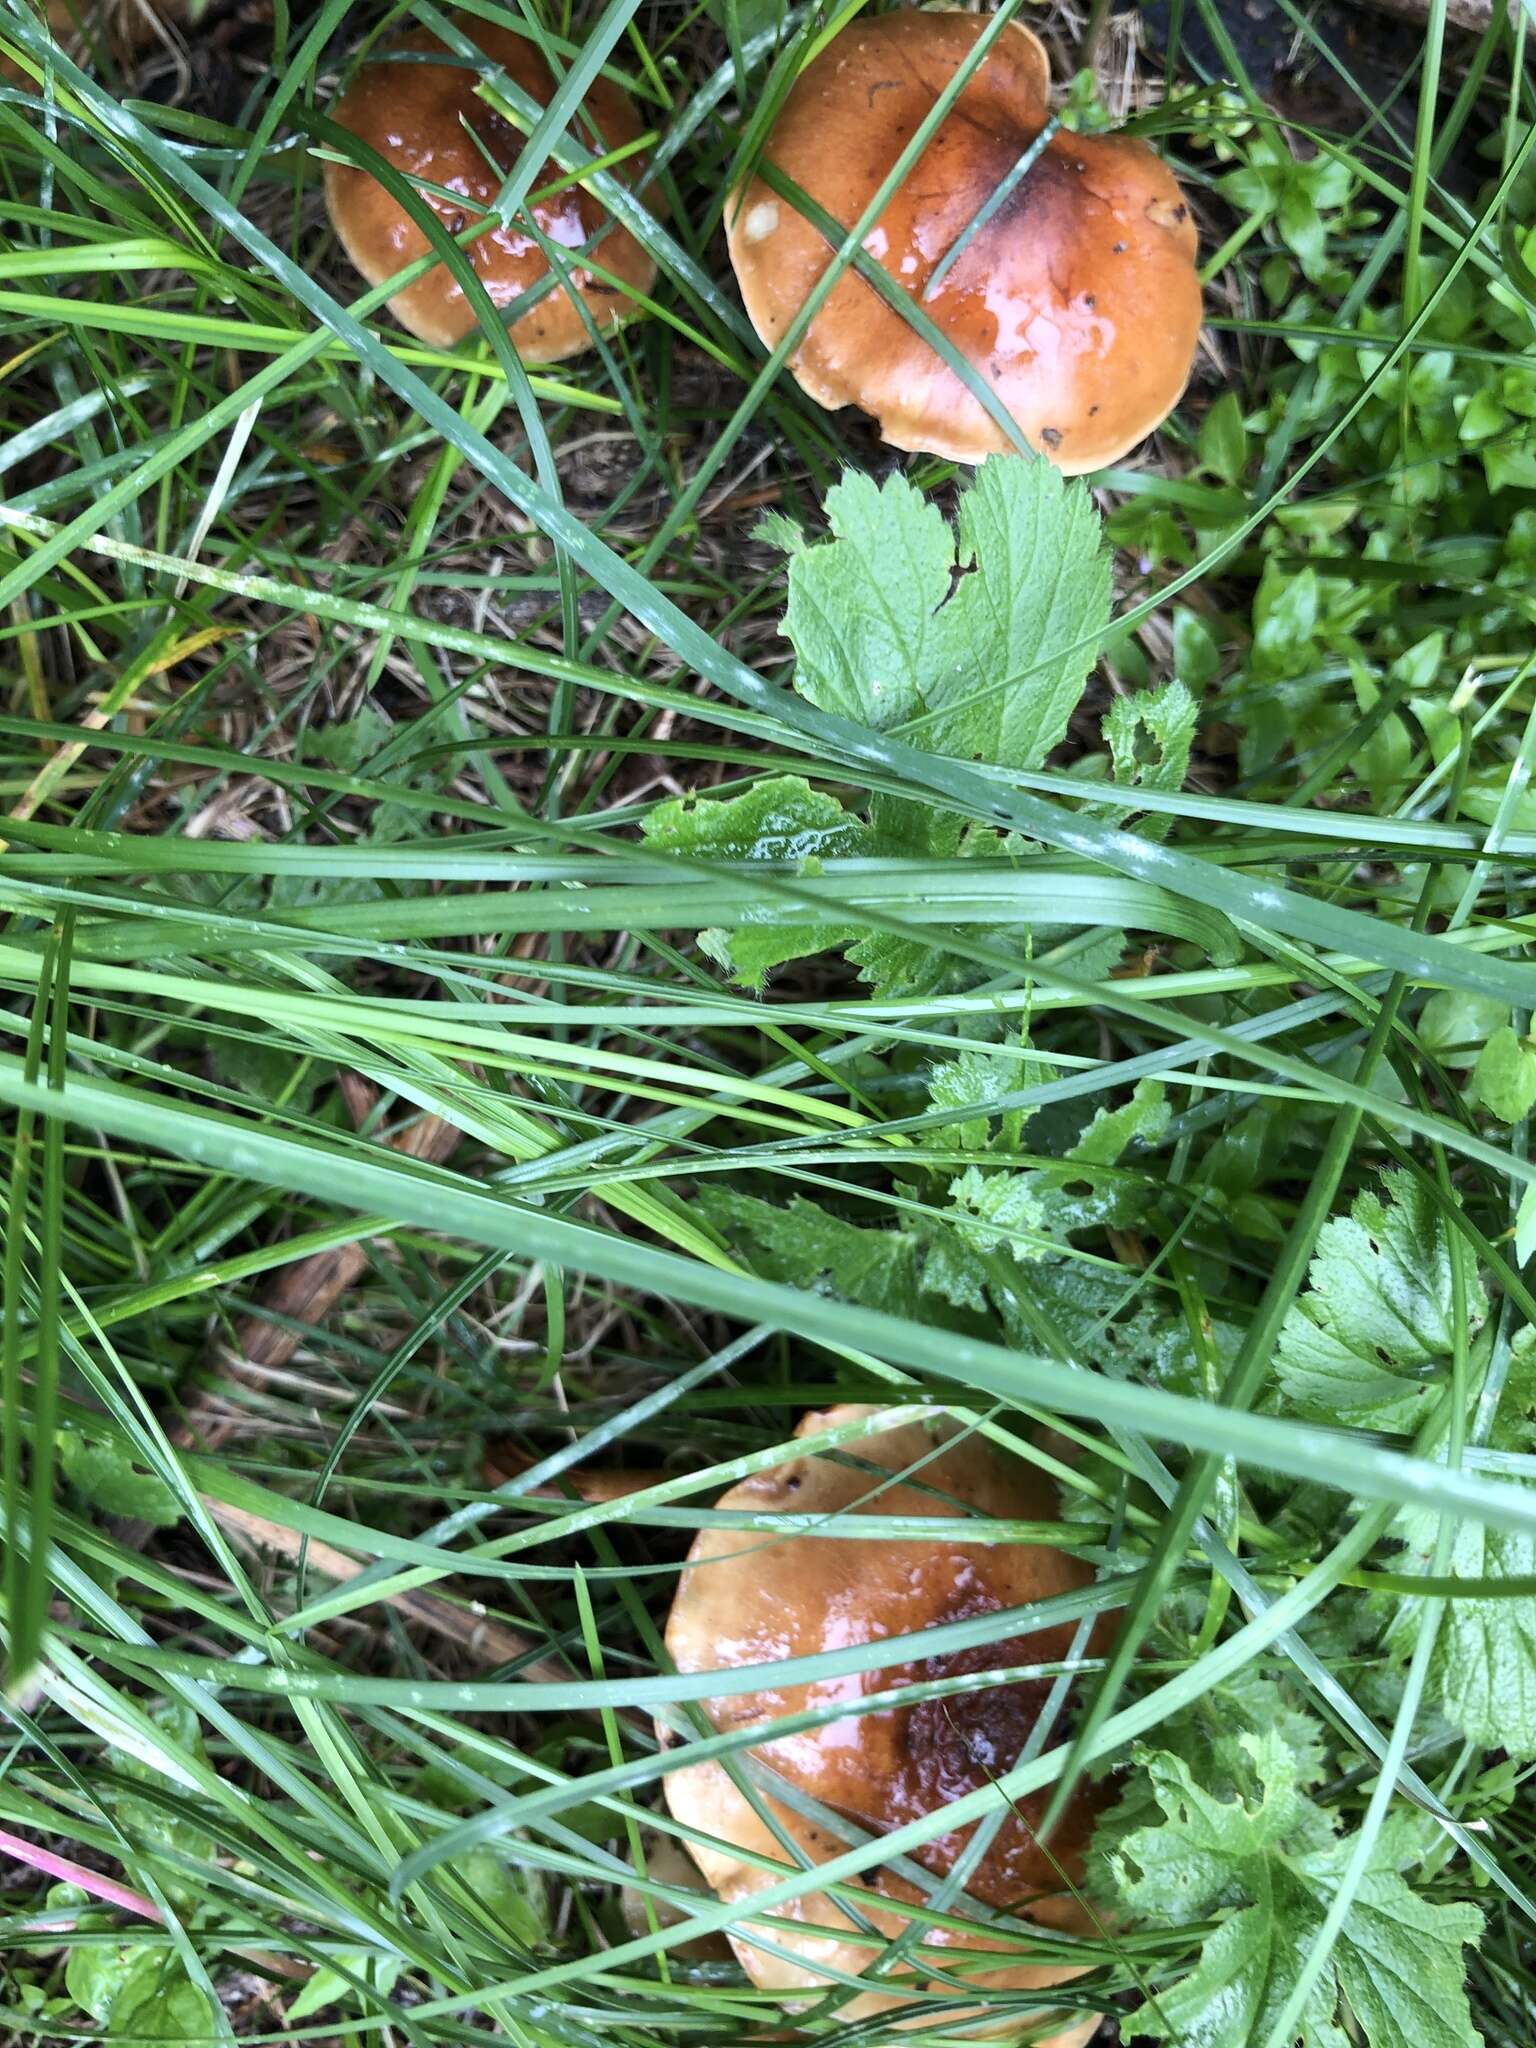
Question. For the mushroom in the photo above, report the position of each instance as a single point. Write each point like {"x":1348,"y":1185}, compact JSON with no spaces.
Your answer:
{"x":426,"y":120}
{"x":748,"y":1600}
{"x":666,"y":1864}
{"x":1076,"y":298}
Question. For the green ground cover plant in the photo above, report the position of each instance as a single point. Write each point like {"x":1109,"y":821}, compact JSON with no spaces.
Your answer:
{"x":557,"y":920}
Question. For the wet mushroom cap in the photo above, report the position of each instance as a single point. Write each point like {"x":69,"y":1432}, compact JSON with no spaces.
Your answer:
{"x":1077,"y":301}
{"x":747,"y":1600}
{"x":426,"y":120}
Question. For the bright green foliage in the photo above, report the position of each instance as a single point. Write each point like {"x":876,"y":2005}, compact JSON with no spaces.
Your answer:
{"x":1504,"y":1079}
{"x":134,"y":1990}
{"x":1144,"y":1117}
{"x":901,"y":962}
{"x":988,"y":1219}
{"x":137,"y":1992}
{"x":991,"y":667}
{"x":1149,"y":738}
{"x":804,"y":1243}
{"x":338,"y":1986}
{"x":1371,"y":1339}
{"x":1455,"y":1024}
{"x":782,"y":820}
{"x":1224,"y":439}
{"x":154,"y":1818}
{"x":1297,"y":194}
{"x":1008,"y":1209}
{"x":975,"y":641}
{"x":976,"y":1079}
{"x":1263,"y":1859}
{"x":1483,"y":1666}
{"x":370,"y":699}
{"x":108,"y":1481}
{"x":1078,"y":1194}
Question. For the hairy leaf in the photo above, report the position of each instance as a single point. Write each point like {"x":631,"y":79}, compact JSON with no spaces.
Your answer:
{"x":984,"y":636}
{"x":1372,"y":1338}
{"x":1266,"y":1859}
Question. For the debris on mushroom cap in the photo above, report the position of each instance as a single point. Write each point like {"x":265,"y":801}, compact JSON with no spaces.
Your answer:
{"x":748,"y":1600}
{"x":427,"y":121}
{"x":1077,"y":300}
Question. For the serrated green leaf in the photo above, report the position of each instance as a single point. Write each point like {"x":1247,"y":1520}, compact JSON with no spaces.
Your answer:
{"x":976,"y":1079}
{"x":867,"y":610}
{"x":805,"y":1243}
{"x":993,"y":663}
{"x":1266,"y":1856}
{"x":1504,"y":1079}
{"x":1372,"y":1337}
{"x":1400,"y":1965}
{"x":1124,"y":1330}
{"x":780,"y":819}
{"x":1000,"y":1211}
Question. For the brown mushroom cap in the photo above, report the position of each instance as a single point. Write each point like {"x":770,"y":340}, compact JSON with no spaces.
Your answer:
{"x":746,"y":1600}
{"x":426,"y":120}
{"x":1077,"y":301}
{"x":666,"y":1863}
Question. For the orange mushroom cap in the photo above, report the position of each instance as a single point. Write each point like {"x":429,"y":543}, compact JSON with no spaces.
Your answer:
{"x":426,"y":120}
{"x":1077,"y":301}
{"x":746,"y":1600}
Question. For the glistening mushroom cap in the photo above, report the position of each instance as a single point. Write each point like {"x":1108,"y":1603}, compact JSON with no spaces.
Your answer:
{"x":748,"y":1600}
{"x":1077,"y":301}
{"x":426,"y":120}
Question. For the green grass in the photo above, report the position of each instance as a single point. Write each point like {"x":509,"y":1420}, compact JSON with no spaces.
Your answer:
{"x":345,"y":682}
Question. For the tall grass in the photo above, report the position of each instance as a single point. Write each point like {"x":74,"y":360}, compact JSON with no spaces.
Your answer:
{"x":340,"y":672}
